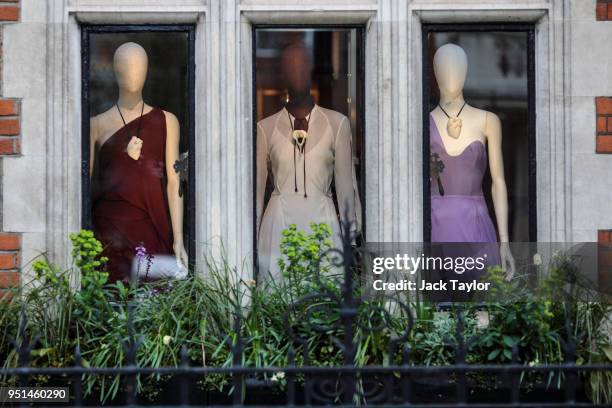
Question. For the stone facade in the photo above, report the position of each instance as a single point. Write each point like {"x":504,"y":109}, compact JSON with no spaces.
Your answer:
{"x":40,"y":121}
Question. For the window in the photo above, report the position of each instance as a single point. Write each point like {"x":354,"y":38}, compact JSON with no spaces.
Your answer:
{"x":169,"y":91}
{"x":500,"y":79}
{"x":296,"y":68}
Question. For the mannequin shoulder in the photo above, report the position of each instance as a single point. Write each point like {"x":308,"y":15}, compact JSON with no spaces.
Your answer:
{"x":99,"y":122}
{"x":172,"y":125}
{"x":171,"y":118}
{"x":492,"y":124}
{"x":489,"y":121}
{"x":106,"y":115}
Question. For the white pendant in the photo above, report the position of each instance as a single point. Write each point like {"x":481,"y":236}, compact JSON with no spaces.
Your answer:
{"x":134,"y":147}
{"x":300,"y":137}
{"x":453,"y":127}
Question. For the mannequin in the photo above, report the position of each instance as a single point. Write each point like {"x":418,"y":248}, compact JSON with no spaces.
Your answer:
{"x":463,"y":130}
{"x":136,"y":146}
{"x":305,"y":146}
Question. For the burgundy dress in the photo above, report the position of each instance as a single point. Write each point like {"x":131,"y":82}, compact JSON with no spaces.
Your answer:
{"x":131,"y":206}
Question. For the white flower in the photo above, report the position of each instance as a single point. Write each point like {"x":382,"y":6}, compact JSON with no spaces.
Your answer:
{"x":537,"y":259}
{"x":250,"y":283}
{"x":278,"y":376}
{"x":167,"y":339}
{"x":482,"y":319}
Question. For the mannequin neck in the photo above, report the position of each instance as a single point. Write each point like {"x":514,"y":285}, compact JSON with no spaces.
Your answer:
{"x":452,"y":102}
{"x":129,"y":100}
{"x":300,"y":105}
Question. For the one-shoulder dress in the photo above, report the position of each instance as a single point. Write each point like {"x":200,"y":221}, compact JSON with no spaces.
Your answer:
{"x":131,"y":207}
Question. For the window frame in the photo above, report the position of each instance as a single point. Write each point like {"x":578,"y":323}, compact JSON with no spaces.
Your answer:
{"x":527,"y":28}
{"x":361,"y":114}
{"x":87,"y":29}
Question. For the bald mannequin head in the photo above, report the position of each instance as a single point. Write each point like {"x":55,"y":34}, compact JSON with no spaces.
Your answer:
{"x":450,"y":68}
{"x":130,"y":64}
{"x":296,"y":68}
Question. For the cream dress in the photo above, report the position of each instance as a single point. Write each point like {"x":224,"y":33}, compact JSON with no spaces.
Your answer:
{"x":329,"y":156}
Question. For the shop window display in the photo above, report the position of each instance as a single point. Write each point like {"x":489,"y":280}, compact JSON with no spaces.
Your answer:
{"x":479,"y":122}
{"x":137,"y":131}
{"x":309,"y":129}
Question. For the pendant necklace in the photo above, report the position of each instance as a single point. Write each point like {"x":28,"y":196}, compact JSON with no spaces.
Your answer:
{"x":453,"y":126}
{"x":299,"y":135}
{"x":139,"y":124}
{"x":299,"y":140}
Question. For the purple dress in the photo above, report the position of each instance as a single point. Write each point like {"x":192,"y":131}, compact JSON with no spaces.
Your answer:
{"x":460,"y":214}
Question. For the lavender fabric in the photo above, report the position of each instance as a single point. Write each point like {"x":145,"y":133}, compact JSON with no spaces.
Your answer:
{"x":461,"y":214}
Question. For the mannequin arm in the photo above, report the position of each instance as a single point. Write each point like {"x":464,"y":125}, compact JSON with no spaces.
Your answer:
{"x":175,"y":202}
{"x":496,"y":165}
{"x":262,"y":174}
{"x":93,"y":139}
{"x":345,"y":178}
{"x":499,"y":191}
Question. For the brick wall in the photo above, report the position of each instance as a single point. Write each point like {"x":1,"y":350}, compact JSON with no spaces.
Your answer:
{"x":604,"y":259}
{"x":603,"y":111}
{"x":10,"y":129}
{"x":604,"y":10}
{"x":10,"y":245}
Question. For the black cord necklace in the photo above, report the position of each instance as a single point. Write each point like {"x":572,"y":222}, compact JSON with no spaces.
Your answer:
{"x":453,"y":125}
{"x":139,"y":119}
{"x":299,"y":141}
{"x":458,"y":113}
